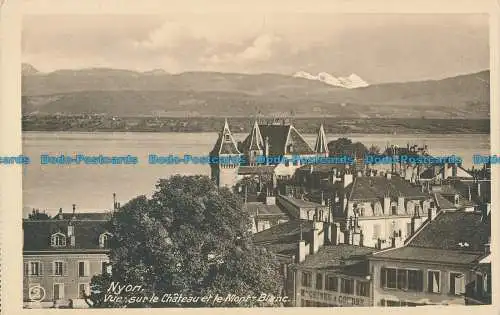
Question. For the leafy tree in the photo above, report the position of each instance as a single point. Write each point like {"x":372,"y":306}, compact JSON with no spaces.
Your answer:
{"x":345,"y":146}
{"x":190,"y":238}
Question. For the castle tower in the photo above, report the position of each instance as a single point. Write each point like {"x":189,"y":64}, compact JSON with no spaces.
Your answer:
{"x":226,"y":159}
{"x":321,"y":146}
{"x":257,"y":146}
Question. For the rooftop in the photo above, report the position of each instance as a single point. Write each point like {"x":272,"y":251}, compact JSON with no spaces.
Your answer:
{"x":262,"y":209}
{"x":449,"y":229}
{"x":428,"y":255}
{"x":376,"y":187}
{"x":340,"y":256}
{"x":299,"y":203}
{"x":283,"y":238}
{"x":37,"y":234}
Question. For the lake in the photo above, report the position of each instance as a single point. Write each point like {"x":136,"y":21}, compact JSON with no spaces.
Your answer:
{"x":91,"y":187}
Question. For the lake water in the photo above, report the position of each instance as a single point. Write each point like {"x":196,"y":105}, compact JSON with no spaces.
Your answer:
{"x":90,"y":187}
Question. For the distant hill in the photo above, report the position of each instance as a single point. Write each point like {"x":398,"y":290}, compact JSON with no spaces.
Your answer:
{"x":128,"y":93}
{"x":27,"y":69}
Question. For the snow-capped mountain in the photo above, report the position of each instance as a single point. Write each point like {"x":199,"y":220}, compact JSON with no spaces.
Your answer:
{"x":351,"y":82}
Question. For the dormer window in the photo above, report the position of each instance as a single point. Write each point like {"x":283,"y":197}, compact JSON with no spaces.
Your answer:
{"x":104,"y":240}
{"x":58,"y":240}
{"x":227,"y":138}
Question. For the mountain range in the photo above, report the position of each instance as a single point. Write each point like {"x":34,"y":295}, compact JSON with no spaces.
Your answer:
{"x":351,"y":82}
{"x":131,"y":93}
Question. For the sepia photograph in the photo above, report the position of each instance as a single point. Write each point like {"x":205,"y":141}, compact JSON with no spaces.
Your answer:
{"x":255,"y":159}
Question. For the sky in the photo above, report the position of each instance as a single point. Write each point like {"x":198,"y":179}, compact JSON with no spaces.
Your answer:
{"x":377,"y":47}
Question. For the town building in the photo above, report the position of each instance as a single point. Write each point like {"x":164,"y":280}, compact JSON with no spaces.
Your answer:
{"x":439,"y":265}
{"x":61,"y":255}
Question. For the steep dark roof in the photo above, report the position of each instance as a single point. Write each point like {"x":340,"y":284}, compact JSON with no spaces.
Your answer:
{"x":277,"y":136}
{"x":449,"y":229}
{"x":283,"y":238}
{"x":375,"y":187}
{"x":37,"y":234}
{"x":222,"y":146}
{"x":299,"y":203}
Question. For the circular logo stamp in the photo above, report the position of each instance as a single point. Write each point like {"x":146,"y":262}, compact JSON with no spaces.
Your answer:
{"x":36,"y":293}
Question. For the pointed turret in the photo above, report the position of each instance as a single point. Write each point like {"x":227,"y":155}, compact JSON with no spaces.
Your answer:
{"x":225,"y":143}
{"x":256,"y":141}
{"x":321,"y":145}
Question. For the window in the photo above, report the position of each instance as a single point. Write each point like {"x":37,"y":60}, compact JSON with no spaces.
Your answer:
{"x":83,"y":290}
{"x":306,"y":279}
{"x":26,"y":269}
{"x":332,"y":283}
{"x":376,"y":231}
{"x":104,"y":240}
{"x":415,"y":280}
{"x":57,"y":268}
{"x":394,"y":210}
{"x":434,"y":281}
{"x":363,"y":288}
{"x":227,"y":138}
{"x":83,"y":269}
{"x":58,"y":291}
{"x":319,"y":281}
{"x":408,"y":229}
{"x":58,"y":240}
{"x":347,"y":286}
{"x":403,"y":279}
{"x":480,"y":284}
{"x":35,"y":268}
{"x":457,"y":283}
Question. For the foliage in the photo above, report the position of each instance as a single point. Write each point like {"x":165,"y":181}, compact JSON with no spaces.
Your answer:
{"x":190,"y":238}
{"x":345,"y":146}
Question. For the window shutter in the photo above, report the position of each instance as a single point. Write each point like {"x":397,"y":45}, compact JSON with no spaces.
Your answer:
{"x":40,"y":268}
{"x":26,"y":269}
{"x":54,"y":267}
{"x":383,"y":277}
{"x":87,"y":269}
{"x":65,"y":268}
{"x":459,"y":285}
{"x":61,"y":290}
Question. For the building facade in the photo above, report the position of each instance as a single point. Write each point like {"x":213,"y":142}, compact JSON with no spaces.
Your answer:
{"x":60,"y":257}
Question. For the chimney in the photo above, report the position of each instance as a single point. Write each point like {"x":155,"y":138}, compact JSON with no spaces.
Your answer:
{"x":266,"y":146}
{"x":487,"y":246}
{"x":302,"y":251}
{"x":446,"y":171}
{"x":388,"y":175}
{"x":60,"y":214}
{"x":114,"y":202}
{"x":479,"y":189}
{"x":454,"y":170}
{"x":335,"y":234}
{"x":387,"y":204}
{"x":347,"y":179}
{"x":469,"y":193}
{"x":432,"y":213}
{"x":74,"y":215}
{"x":270,"y":200}
{"x":315,"y":241}
{"x":322,"y":199}
{"x":401,"y":205}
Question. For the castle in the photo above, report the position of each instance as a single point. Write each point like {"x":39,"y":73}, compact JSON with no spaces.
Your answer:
{"x":277,"y":139}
